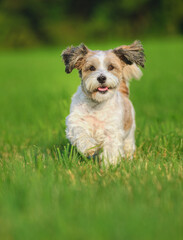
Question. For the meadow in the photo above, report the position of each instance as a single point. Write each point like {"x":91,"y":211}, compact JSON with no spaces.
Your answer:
{"x":49,"y":191}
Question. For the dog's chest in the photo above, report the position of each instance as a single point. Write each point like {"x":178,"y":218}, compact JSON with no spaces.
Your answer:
{"x":104,"y":123}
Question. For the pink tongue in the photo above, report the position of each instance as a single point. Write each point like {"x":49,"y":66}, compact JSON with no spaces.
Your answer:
{"x":103,"y":89}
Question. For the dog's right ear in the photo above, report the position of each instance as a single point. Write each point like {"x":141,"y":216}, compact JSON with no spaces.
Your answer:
{"x":73,"y":57}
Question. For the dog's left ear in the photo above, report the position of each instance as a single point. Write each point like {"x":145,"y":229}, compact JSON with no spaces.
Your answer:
{"x":130,"y":54}
{"x":73,"y":57}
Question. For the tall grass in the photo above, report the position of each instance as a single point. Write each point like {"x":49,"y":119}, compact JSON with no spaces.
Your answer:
{"x":48,"y":191}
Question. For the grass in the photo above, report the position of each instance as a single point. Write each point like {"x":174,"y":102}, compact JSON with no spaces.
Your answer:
{"x":47,"y":191}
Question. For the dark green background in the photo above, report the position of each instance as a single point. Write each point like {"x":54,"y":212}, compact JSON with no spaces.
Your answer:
{"x":36,"y":22}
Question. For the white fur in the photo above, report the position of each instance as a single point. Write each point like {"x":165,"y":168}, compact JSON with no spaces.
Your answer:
{"x":96,"y":124}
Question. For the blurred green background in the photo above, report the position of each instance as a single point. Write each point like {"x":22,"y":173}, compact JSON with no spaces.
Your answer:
{"x":36,"y":22}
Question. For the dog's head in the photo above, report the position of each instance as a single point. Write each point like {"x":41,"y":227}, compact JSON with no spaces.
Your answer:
{"x":102,"y":71}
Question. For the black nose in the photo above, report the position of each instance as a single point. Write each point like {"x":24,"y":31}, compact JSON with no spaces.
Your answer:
{"x":101,"y":79}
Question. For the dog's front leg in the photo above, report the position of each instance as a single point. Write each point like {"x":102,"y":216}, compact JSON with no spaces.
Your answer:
{"x":80,"y":138}
{"x":113,"y":151}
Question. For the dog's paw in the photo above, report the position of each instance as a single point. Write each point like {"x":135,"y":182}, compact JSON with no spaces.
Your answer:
{"x":109,"y":159}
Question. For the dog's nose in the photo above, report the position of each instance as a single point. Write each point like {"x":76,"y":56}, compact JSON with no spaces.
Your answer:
{"x":101,"y":79}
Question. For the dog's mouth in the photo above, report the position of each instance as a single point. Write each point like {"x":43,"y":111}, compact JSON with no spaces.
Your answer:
{"x":103,"y":89}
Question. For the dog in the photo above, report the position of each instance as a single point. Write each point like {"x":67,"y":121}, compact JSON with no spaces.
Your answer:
{"x":102,"y":118}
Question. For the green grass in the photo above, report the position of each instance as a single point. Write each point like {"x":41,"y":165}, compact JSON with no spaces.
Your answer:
{"x":47,"y":191}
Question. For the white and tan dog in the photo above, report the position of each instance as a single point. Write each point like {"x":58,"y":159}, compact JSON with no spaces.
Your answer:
{"x":102,"y":118}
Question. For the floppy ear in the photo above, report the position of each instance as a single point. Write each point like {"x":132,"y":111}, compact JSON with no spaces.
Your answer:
{"x":133,"y":56}
{"x":130,"y":54}
{"x":73,"y":57}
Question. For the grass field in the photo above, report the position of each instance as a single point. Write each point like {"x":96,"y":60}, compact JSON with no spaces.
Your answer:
{"x":47,"y":191}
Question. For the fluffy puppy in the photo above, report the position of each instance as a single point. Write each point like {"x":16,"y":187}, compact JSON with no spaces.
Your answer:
{"x":102,"y":118}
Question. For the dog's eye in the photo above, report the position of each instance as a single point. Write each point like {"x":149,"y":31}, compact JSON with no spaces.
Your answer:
{"x":110,"y":67}
{"x":92,"y":68}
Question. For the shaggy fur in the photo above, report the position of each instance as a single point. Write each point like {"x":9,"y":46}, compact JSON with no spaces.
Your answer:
{"x":102,"y":118}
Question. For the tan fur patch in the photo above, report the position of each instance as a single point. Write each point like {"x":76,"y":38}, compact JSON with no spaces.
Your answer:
{"x":124,"y":89}
{"x":79,"y":64}
{"x":90,"y":60}
{"x":112,"y":59}
{"x":127,"y":114}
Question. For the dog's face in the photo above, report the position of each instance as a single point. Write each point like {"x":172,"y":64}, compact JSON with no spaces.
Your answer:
{"x":101,"y":74}
{"x":102,"y":71}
